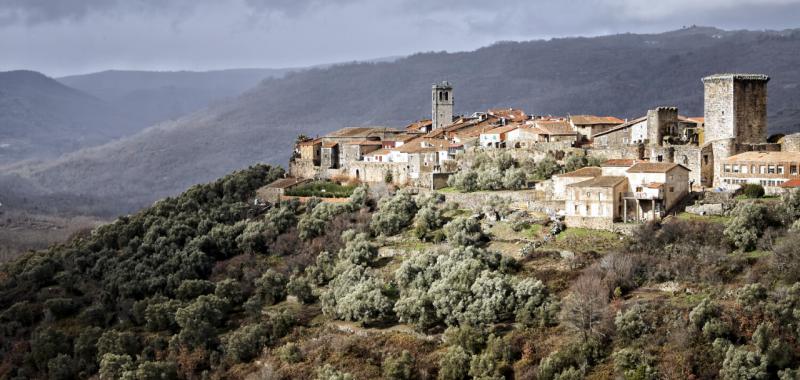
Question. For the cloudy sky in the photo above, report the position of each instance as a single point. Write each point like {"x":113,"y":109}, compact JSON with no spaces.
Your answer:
{"x":60,"y":37}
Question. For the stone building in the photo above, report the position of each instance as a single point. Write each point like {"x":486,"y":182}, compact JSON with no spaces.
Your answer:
{"x":561,"y":181}
{"x":589,"y":125}
{"x":735,"y":113}
{"x":442,"y":105}
{"x":595,"y":203}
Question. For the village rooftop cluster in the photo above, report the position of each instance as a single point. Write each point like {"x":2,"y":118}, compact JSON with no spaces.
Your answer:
{"x":651,"y":163}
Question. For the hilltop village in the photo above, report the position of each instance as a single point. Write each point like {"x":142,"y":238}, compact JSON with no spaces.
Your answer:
{"x":635,"y":170}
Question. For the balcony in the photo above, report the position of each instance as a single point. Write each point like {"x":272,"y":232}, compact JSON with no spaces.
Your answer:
{"x":650,"y":194}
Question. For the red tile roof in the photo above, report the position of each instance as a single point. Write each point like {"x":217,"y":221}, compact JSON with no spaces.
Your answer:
{"x":791,"y":183}
{"x":589,"y":171}
{"x":654,"y":167}
{"x":593,"y":120}
{"x":559,"y":127}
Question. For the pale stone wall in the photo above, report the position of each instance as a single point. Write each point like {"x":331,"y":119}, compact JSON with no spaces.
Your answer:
{"x":690,"y":156}
{"x":791,"y":143}
{"x":718,"y":109}
{"x":594,"y":223}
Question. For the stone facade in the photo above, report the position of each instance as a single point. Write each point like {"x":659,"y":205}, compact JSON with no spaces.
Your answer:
{"x":735,"y":111}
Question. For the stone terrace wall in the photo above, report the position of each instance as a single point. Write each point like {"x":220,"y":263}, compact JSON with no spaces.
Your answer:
{"x":530,"y":200}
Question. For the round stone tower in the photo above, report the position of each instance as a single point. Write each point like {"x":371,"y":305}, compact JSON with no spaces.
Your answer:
{"x":442,"y":104}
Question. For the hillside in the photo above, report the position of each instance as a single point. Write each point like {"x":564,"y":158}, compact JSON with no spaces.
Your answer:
{"x":151,"y":97}
{"x":620,"y":75}
{"x":42,"y":118}
{"x":401,"y":286}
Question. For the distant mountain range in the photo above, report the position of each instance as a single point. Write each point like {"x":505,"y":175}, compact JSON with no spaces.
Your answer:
{"x":621,"y":75}
{"x":42,"y":118}
{"x":151,"y":97}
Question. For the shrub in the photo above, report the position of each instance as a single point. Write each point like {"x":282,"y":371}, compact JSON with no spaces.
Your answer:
{"x":790,"y":203}
{"x":515,"y":179}
{"x":534,"y":305}
{"x":400,"y":367}
{"x":753,"y":190}
{"x":118,"y":342}
{"x":191,"y":289}
{"x":490,"y":179}
{"x":545,"y":168}
{"x":470,"y":338}
{"x":454,"y":364}
{"x":270,"y":288}
{"x":61,"y":367}
{"x":245,"y":343}
{"x":631,"y":323}
{"x":632,"y":363}
{"x":158,"y":370}
{"x":465,"y":180}
{"x":787,"y":258}
{"x":290,"y":353}
{"x":231,"y":290}
{"x":300,"y":287}
{"x":161,"y":315}
{"x":742,"y":364}
{"x":112,"y":366}
{"x":394,"y":214}
{"x":356,"y":294}
{"x":464,"y":232}
{"x":572,"y":359}
{"x":199,"y":321}
{"x":358,"y":248}
{"x":328,"y":372}
{"x":749,"y":221}
{"x":703,"y":312}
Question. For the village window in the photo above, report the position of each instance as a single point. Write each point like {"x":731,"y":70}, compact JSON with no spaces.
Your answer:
{"x":744,"y":169}
{"x":576,"y":210}
{"x":588,"y":194}
{"x":753,"y":169}
{"x":586,"y":209}
{"x":771,"y":169}
{"x":780,"y":169}
{"x":705,"y":159}
{"x":660,"y":158}
{"x":762,"y":169}
{"x":727,"y":168}
{"x":793,"y":169}
{"x":735,"y":168}
{"x":671,"y":189}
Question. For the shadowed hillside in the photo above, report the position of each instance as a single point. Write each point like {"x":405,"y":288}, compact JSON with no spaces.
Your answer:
{"x":151,"y":97}
{"x":42,"y":118}
{"x":620,"y":75}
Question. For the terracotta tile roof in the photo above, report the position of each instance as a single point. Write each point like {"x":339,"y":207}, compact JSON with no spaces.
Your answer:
{"x":356,"y":132}
{"x":589,"y":171}
{"x":557,"y":127}
{"x":508,"y":113}
{"x":600,"y":181}
{"x":417,"y":125}
{"x":765,"y":157}
{"x":329,"y":144}
{"x":655,"y":185}
{"x":791,"y":183}
{"x":623,"y":126}
{"x":499,"y":130}
{"x":364,"y":142}
{"x":654,"y":167}
{"x":593,"y":120}
{"x":284,"y":183}
{"x":620,"y":162}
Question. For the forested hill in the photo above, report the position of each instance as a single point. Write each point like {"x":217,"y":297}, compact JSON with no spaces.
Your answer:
{"x":210,"y":285}
{"x":621,"y":75}
{"x":41,"y":118}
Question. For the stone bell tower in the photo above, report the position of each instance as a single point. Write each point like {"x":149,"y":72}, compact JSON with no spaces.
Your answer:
{"x":441,"y":104}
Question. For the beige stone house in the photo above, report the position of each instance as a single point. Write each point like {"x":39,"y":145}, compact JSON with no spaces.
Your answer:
{"x":595,"y":203}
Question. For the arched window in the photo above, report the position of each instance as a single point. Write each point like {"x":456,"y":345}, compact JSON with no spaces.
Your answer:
{"x":446,"y":95}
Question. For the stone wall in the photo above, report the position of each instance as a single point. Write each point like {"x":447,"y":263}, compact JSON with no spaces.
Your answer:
{"x":593,"y":223}
{"x":791,"y":143}
{"x":530,"y":200}
{"x":750,"y":106}
{"x":718,"y":109}
{"x":439,"y":180}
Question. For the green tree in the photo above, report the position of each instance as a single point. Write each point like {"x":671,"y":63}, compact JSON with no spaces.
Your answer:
{"x":748,"y":223}
{"x":399,"y":367}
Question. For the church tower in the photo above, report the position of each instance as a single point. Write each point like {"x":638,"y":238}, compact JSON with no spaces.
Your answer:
{"x":442,"y":105}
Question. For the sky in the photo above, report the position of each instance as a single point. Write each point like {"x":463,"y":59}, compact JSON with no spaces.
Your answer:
{"x":64,"y":37}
